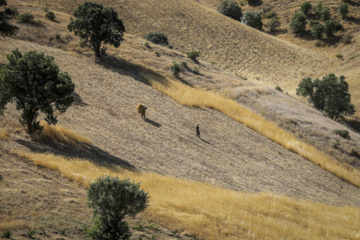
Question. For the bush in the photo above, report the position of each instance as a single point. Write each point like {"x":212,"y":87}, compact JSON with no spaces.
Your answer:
{"x":343,"y":10}
{"x":278,"y":88}
{"x":317,"y":31}
{"x":317,"y":10}
{"x":57,"y":36}
{"x":342,"y":133}
{"x":336,"y":144}
{"x":331,"y":26}
{"x":50,"y":16}
{"x":112,"y":199}
{"x":157,"y":38}
{"x":325,"y":14}
{"x":6,"y":14}
{"x":346,"y":39}
{"x":231,"y":9}
{"x":354,"y":153}
{"x":6,"y":234}
{"x":25,"y":18}
{"x":298,"y":23}
{"x":272,"y":24}
{"x":271,"y":15}
{"x":305,"y":8}
{"x":175,"y":69}
{"x":252,"y":19}
{"x":339,"y":56}
{"x":193,"y":55}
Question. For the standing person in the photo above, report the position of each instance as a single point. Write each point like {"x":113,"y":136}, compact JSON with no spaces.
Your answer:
{"x":197,"y":131}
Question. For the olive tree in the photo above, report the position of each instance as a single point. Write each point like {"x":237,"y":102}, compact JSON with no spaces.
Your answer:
{"x":253,"y":20}
{"x":298,"y":23}
{"x":6,"y":14}
{"x":331,"y":94}
{"x":112,"y":199}
{"x":95,"y":25}
{"x":34,"y":83}
{"x":343,"y":10}
{"x":231,"y":9}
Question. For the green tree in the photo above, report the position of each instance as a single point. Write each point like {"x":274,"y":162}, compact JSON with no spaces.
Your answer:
{"x":112,"y":199}
{"x":325,"y":14}
{"x":95,"y":25}
{"x":317,"y":31}
{"x":6,"y":14}
{"x":231,"y":9}
{"x":273,"y":24}
{"x":298,"y":23}
{"x":34,"y":83}
{"x":253,"y":20}
{"x":331,"y":27}
{"x":305,"y":8}
{"x":331,"y":94}
{"x":343,"y":10}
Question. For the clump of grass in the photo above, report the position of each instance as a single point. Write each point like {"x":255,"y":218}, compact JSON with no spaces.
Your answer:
{"x":278,"y":88}
{"x":354,"y":152}
{"x":139,"y":227}
{"x":6,"y":234}
{"x":227,"y":214}
{"x":61,"y":134}
{"x":339,"y":56}
{"x":336,"y":144}
{"x":50,"y":15}
{"x":175,"y":69}
{"x":25,"y":18}
{"x":31,"y":233}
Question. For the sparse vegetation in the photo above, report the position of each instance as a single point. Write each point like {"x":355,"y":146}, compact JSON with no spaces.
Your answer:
{"x":96,"y":25}
{"x":253,"y":20}
{"x":6,"y":14}
{"x":342,"y":133}
{"x":331,"y":94}
{"x":231,"y":9}
{"x":354,"y":153}
{"x":33,"y":81}
{"x":336,"y":144}
{"x":112,"y":199}
{"x":31,"y":233}
{"x":63,"y":231}
{"x":50,"y":15}
{"x":139,"y":227}
{"x":175,"y":69}
{"x":346,"y":39}
{"x":331,"y":27}
{"x":273,"y":24}
{"x":317,"y":31}
{"x":339,"y":56}
{"x":3,"y":134}
{"x":278,"y":88}
{"x":157,"y":38}
{"x":25,"y":18}
{"x":57,"y":36}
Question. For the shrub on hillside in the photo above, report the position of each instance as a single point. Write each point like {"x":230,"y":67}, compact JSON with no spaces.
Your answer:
{"x":331,"y":27}
{"x":273,"y":24}
{"x":317,"y":10}
{"x":325,"y":14}
{"x":175,"y":69}
{"x":331,"y":94}
{"x":317,"y":31}
{"x":342,"y":133}
{"x":193,"y":55}
{"x":252,"y":19}
{"x":157,"y":38}
{"x":298,"y":23}
{"x":50,"y":16}
{"x":25,"y":18}
{"x":271,"y":15}
{"x":346,"y":39}
{"x":305,"y":8}
{"x":231,"y":9}
{"x":6,"y":14}
{"x":112,"y":199}
{"x":343,"y":10}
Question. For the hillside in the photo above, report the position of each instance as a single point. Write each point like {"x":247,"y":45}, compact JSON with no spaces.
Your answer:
{"x":228,"y":155}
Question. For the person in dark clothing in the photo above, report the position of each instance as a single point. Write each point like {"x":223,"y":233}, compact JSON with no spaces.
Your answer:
{"x":197,"y":131}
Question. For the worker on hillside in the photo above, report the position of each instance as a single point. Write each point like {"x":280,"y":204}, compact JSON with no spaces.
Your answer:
{"x":197,"y":131}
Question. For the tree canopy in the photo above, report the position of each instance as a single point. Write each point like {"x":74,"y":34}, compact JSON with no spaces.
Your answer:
{"x":231,"y":9}
{"x":95,"y":25}
{"x":34,"y":83}
{"x":331,"y":94}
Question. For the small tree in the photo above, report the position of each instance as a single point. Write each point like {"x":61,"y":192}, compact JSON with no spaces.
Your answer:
{"x":331,"y":94}
{"x":273,"y":24}
{"x":317,"y":10}
{"x":6,"y":14}
{"x":343,"y":10}
{"x":112,"y":199}
{"x":325,"y":14}
{"x":193,"y":55}
{"x":157,"y":38}
{"x":331,"y":27}
{"x":252,"y":19}
{"x":50,"y":15}
{"x":175,"y":69}
{"x":317,"y":31}
{"x":298,"y":23}
{"x":231,"y":9}
{"x":305,"y":8}
{"x":95,"y":25}
{"x":34,"y":83}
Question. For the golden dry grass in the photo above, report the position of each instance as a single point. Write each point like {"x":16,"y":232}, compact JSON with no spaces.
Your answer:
{"x":6,"y":224}
{"x":196,"y":97}
{"x":61,"y":134}
{"x":3,"y":134}
{"x":214,"y":213}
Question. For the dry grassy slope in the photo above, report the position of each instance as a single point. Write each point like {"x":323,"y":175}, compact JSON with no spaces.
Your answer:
{"x":231,"y":45}
{"x":229,"y":154}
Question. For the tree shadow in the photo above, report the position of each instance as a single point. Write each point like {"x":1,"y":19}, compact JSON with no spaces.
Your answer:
{"x":152,"y":122}
{"x":207,"y":142}
{"x":255,"y":3}
{"x":78,"y":100}
{"x":353,"y":123}
{"x":96,"y":155}
{"x":353,"y":20}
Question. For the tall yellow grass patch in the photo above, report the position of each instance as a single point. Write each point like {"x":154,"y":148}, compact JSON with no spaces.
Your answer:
{"x":200,"y":98}
{"x":210,"y":212}
{"x":62,"y":134}
{"x":3,"y":134}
